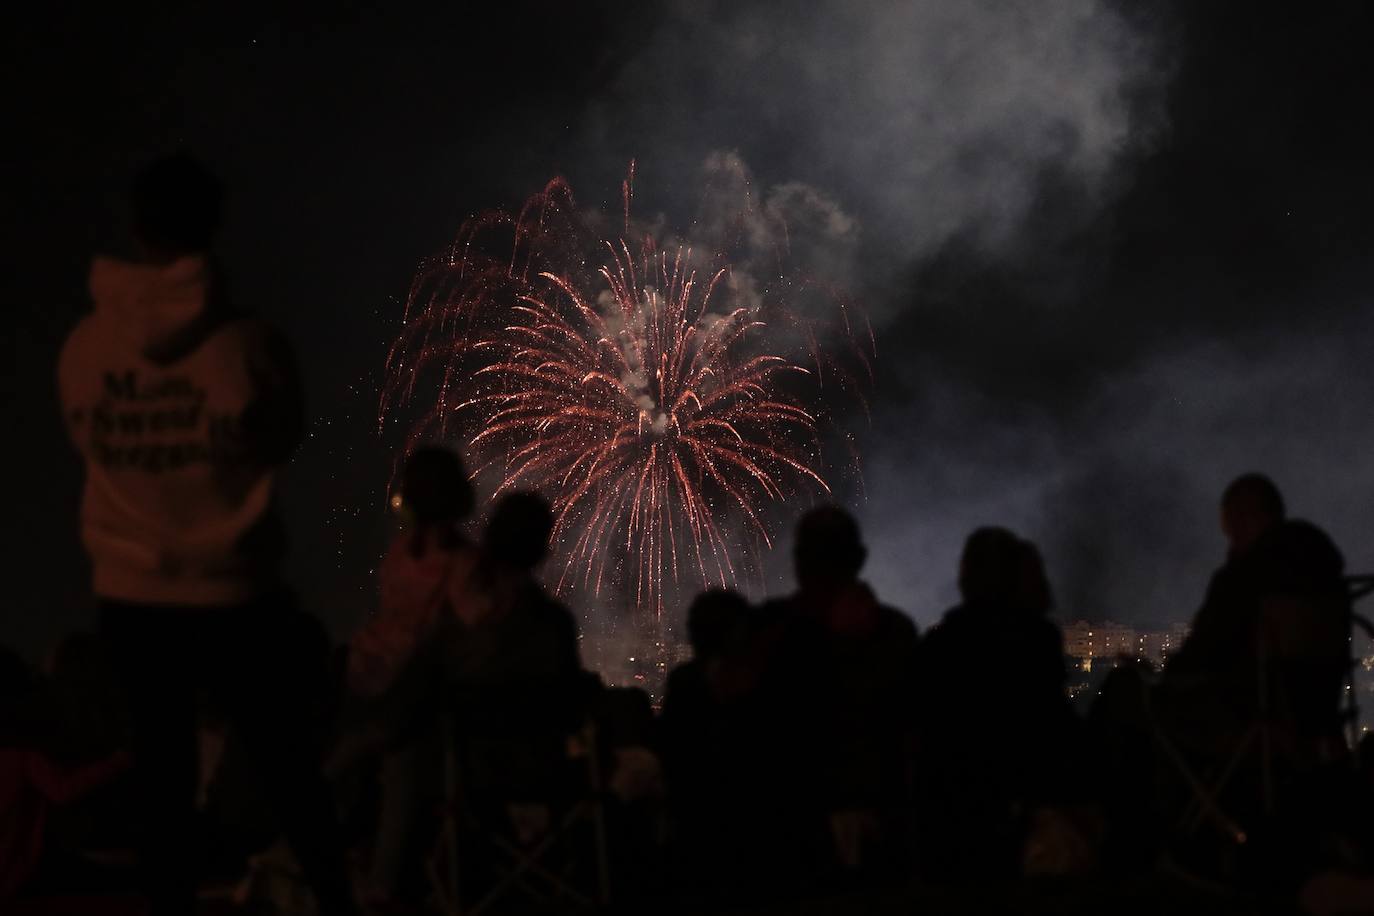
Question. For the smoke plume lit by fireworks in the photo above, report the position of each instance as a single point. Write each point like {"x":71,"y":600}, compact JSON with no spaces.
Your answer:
{"x":661,"y":401}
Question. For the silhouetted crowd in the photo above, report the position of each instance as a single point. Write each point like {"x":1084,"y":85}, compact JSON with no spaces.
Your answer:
{"x":209,"y":739}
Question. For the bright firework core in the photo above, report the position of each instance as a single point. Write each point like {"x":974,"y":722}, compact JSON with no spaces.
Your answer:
{"x":660,"y":411}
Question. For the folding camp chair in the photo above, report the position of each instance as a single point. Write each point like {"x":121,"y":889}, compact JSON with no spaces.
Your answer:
{"x":1205,"y":788}
{"x":1305,"y":660}
{"x":565,"y":865}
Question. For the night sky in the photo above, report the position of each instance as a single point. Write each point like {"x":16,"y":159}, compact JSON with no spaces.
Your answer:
{"x":1115,"y":256}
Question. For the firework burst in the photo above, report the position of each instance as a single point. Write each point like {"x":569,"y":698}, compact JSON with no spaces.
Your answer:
{"x":632,"y":385}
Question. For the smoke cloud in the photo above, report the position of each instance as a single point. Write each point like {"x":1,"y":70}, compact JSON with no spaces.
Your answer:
{"x":1122,"y":491}
{"x":962,"y":168}
{"x":931,"y":119}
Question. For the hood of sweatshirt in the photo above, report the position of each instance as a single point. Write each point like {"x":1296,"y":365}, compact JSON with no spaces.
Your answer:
{"x":154,"y":308}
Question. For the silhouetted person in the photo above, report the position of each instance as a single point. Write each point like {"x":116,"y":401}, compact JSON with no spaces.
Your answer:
{"x":184,"y":409}
{"x":427,"y":575}
{"x":1278,"y":601}
{"x":1206,"y":695}
{"x":535,"y":636}
{"x":717,"y":625}
{"x":495,"y":624}
{"x":503,"y":671}
{"x":519,"y":662}
{"x":705,"y":722}
{"x":1223,"y":632}
{"x":423,"y":572}
{"x":995,"y":727}
{"x":838,"y":675}
{"x":1268,"y":649}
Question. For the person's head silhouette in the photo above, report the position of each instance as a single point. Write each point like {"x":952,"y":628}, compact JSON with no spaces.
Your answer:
{"x":992,"y":567}
{"x":829,"y":551}
{"x":435,"y":487}
{"x":177,"y":203}
{"x":518,"y":532}
{"x":1250,"y":508}
{"x":436,"y":494}
{"x":715,"y":615}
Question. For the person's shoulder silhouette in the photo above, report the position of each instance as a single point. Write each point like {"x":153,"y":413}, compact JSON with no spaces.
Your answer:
{"x":1300,"y":558}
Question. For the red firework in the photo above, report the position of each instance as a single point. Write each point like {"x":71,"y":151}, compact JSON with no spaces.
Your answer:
{"x":633,"y":389}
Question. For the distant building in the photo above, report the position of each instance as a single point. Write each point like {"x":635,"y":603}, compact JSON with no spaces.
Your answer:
{"x":1085,"y":641}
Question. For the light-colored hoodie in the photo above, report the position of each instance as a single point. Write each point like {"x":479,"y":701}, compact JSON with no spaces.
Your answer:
{"x":182,"y":413}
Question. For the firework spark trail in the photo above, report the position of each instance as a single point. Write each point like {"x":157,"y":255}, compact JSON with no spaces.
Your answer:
{"x":624,"y":386}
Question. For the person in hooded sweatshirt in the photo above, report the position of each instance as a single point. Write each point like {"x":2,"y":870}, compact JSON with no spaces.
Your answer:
{"x":184,"y":410}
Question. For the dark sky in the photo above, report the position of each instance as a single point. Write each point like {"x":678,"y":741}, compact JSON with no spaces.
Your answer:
{"x":1114,"y":257}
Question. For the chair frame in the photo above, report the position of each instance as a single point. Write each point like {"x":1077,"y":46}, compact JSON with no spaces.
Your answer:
{"x":526,"y":868}
{"x":1204,"y":804}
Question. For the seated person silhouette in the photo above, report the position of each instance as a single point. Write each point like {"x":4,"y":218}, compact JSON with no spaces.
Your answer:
{"x":535,"y":636}
{"x":1276,"y":607}
{"x":505,"y":672}
{"x":1253,"y":699}
{"x":422,"y":577}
